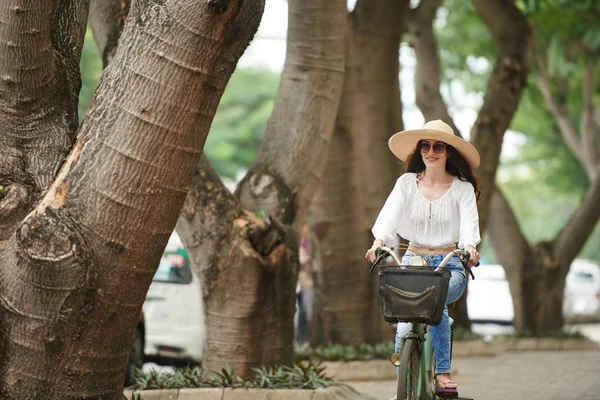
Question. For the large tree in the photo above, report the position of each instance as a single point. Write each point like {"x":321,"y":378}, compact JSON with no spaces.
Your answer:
{"x":566,"y":55}
{"x":85,"y":215}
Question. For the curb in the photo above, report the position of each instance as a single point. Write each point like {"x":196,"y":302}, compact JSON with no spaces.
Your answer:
{"x":341,"y":391}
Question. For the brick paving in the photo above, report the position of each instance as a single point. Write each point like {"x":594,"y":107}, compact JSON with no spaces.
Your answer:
{"x":526,"y":375}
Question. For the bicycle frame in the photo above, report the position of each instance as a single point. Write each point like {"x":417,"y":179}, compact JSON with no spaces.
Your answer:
{"x":420,"y":334}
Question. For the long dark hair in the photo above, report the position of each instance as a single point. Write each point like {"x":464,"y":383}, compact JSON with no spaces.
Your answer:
{"x":455,"y":165}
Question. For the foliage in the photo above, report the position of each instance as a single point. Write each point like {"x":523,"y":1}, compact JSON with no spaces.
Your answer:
{"x":545,"y":154}
{"x":241,"y":120}
{"x":301,"y":376}
{"x":339,"y":352}
{"x":226,"y":378}
{"x":467,"y":50}
{"x":91,"y":68}
{"x":181,"y":378}
{"x":545,"y":182}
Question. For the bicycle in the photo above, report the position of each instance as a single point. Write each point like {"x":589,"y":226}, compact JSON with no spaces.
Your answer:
{"x":420,"y":295}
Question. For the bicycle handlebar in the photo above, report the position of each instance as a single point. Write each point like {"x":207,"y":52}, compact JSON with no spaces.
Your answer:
{"x":383,"y":251}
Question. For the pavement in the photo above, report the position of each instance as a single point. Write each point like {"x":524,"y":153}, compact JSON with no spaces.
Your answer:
{"x":547,"y":375}
{"x":519,"y":375}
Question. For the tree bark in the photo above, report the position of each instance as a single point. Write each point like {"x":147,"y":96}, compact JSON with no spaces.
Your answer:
{"x":378,"y":27}
{"x":85,"y":256}
{"x":39,"y":86}
{"x":259,"y":239}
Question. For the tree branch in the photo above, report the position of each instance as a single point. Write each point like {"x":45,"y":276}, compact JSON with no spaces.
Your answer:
{"x":107,"y":19}
{"x":510,"y":245}
{"x":559,"y":111}
{"x":576,"y":231}
{"x":511,"y":33}
{"x":427,"y":75}
{"x":588,"y":128}
{"x":41,"y":46}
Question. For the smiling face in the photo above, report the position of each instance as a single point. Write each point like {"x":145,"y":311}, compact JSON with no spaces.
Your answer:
{"x":433,"y":152}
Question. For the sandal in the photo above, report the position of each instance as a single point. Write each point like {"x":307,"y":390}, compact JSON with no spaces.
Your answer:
{"x":446,"y":383}
{"x":443,"y":389}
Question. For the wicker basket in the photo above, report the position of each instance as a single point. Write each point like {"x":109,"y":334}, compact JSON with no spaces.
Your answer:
{"x":409,"y":295}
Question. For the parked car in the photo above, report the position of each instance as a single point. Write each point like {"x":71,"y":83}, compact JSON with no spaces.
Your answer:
{"x":582,"y":289}
{"x":172,"y":322}
{"x":489,"y":299}
{"x":174,"y":309}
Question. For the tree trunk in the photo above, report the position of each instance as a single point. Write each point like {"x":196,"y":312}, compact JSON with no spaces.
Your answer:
{"x":39,"y":87}
{"x":342,"y":309}
{"x":247,"y":267}
{"x":378,"y":105}
{"x":256,"y":231}
{"x":542,"y":287}
{"x":346,"y":309}
{"x":512,"y":250}
{"x":75,"y":274}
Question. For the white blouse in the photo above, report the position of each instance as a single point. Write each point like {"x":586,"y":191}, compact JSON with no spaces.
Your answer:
{"x":444,"y":222}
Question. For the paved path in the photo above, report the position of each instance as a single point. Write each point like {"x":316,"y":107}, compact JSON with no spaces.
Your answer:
{"x":536,"y":375}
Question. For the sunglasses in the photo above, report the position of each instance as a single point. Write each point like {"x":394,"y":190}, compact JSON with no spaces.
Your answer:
{"x":438,"y":147}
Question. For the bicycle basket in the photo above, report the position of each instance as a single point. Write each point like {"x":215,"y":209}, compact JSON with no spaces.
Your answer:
{"x":413,"y":295}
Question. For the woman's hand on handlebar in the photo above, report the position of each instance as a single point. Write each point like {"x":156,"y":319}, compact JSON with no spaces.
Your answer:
{"x":370,"y":255}
{"x":473,"y":255}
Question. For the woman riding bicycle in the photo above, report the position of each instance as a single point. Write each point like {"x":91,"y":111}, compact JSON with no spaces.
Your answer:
{"x":433,"y":206}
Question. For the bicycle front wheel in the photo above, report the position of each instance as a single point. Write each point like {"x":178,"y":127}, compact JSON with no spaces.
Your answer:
{"x":408,"y":380}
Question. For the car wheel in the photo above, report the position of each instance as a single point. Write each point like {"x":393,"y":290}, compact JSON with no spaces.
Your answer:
{"x":136,"y":357}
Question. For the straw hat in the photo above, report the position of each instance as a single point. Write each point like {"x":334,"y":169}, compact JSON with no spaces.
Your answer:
{"x":404,"y":143}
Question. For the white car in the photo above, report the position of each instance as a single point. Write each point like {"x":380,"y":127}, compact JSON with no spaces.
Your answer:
{"x":489,"y":299}
{"x":174,"y":310}
{"x":582,"y":289}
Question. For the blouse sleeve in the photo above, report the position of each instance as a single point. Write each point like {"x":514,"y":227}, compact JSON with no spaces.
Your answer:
{"x":386,"y":225}
{"x":469,"y":218}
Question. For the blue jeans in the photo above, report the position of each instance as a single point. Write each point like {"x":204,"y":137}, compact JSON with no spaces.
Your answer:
{"x":440,"y":334}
